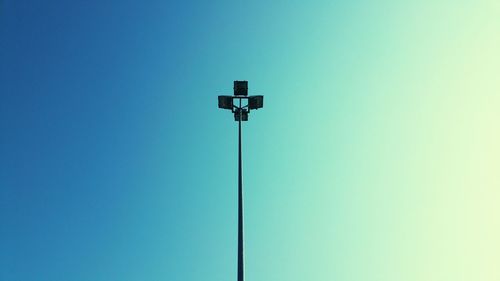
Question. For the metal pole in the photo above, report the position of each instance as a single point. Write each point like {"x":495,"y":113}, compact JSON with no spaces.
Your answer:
{"x":240,"y":205}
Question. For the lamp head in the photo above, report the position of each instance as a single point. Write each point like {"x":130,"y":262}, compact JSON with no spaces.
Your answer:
{"x":240,"y":88}
{"x":226,"y":102}
{"x":255,"y":102}
{"x":244,"y":114}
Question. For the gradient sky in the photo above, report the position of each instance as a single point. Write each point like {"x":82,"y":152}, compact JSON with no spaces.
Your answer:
{"x":375,"y":158}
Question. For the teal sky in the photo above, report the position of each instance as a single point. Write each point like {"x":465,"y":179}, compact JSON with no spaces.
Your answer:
{"x":375,"y":157}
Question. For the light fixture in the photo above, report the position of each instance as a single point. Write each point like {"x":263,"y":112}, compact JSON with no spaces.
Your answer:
{"x":226,"y":102}
{"x":240,"y":88}
{"x":255,"y":102}
{"x":240,"y":114}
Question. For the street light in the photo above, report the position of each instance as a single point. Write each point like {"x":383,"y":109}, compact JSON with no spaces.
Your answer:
{"x":240,"y":114}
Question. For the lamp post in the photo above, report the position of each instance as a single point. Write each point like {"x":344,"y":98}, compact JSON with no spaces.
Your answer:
{"x":234,"y":103}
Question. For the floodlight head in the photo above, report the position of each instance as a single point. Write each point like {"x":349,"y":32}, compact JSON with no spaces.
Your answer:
{"x":244,"y":114}
{"x":255,"y":102}
{"x":226,"y":102}
{"x":240,"y":88}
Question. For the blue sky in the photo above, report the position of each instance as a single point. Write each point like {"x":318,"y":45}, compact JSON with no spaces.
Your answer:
{"x":373,"y":158}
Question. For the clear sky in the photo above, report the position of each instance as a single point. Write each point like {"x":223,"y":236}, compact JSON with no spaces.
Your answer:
{"x":375,"y":158}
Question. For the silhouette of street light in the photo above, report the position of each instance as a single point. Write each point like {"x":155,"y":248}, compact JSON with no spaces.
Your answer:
{"x":240,"y":114}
